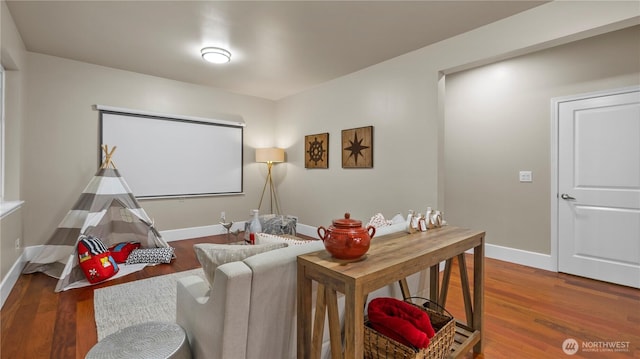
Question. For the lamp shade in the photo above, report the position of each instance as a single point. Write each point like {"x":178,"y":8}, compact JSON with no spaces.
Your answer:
{"x":272,"y":154}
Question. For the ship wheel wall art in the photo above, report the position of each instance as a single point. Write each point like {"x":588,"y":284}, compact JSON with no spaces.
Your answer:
{"x":357,"y":147}
{"x":316,"y":151}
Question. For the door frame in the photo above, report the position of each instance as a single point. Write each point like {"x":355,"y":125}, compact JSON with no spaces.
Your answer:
{"x":555,"y":105}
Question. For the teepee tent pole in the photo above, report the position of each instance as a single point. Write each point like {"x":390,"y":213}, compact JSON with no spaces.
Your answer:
{"x":108,"y":161}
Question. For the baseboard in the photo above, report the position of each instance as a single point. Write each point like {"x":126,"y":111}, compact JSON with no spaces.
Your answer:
{"x":197,"y":232}
{"x":14,"y":273}
{"x":519,"y":256}
{"x":307,"y":230}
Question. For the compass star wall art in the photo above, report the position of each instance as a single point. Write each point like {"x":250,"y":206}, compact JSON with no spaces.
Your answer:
{"x":316,"y":151}
{"x":357,"y":147}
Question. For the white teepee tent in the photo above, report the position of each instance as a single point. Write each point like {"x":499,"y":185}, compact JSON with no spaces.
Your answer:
{"x":106,"y":209}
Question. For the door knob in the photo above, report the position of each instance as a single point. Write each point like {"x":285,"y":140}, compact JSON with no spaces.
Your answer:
{"x":567,"y":197}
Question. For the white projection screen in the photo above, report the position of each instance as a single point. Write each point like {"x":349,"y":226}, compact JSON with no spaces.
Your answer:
{"x":163,"y":157}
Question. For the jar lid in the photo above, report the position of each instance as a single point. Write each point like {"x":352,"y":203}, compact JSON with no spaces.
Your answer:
{"x":347,"y":222}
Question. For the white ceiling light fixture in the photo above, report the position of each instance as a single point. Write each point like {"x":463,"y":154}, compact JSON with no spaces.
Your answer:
{"x":216,"y":55}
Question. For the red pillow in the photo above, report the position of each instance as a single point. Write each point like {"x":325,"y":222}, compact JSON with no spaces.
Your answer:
{"x":400,"y":321}
{"x":120,"y":252}
{"x":95,"y":259}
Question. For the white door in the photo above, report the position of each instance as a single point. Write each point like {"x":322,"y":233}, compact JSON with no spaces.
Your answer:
{"x":599,"y":187}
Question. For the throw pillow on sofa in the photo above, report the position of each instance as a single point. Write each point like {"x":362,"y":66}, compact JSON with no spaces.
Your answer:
{"x":211,"y":255}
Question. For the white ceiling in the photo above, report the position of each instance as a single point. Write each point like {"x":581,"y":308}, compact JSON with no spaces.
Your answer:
{"x":278,"y":48}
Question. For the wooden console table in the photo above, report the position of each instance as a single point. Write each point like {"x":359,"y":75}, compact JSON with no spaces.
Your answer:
{"x":390,"y":258}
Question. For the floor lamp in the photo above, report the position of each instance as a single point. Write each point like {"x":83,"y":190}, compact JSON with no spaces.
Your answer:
{"x":270,"y":156}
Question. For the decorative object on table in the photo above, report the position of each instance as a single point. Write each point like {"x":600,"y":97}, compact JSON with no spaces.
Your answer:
{"x":346,"y":238}
{"x":316,"y":151}
{"x":254,"y":227}
{"x":276,"y":224}
{"x":226,"y":225}
{"x":420,"y":223}
{"x":379,"y":346}
{"x":270,"y":156}
{"x":158,"y":340}
{"x":357,"y":147}
{"x":434,"y":218}
{"x":410,"y":221}
{"x":415,"y":220}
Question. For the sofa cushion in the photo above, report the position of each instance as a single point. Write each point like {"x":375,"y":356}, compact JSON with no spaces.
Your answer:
{"x":211,"y":255}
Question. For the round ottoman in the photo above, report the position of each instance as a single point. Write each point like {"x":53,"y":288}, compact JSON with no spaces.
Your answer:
{"x":152,"y":340}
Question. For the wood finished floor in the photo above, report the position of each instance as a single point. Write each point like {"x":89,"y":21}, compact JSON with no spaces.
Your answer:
{"x":529,"y":312}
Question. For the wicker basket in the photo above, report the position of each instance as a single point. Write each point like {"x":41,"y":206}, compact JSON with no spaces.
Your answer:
{"x":378,"y":346}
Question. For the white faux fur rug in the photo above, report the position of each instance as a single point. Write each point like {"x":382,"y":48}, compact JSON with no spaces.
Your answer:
{"x":151,"y":299}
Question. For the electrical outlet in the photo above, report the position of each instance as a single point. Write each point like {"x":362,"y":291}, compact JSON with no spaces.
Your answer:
{"x":526,"y":176}
{"x":18,"y":244}
{"x":223,"y":215}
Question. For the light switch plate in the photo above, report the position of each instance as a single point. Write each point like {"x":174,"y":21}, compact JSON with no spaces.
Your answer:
{"x":526,"y":176}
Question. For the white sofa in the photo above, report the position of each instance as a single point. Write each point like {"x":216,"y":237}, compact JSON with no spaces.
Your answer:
{"x":250,"y":312}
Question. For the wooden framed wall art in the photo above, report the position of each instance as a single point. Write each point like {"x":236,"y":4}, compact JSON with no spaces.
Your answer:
{"x":357,"y":147}
{"x":316,"y":151}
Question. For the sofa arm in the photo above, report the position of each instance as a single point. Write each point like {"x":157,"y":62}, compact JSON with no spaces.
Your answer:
{"x":216,"y":322}
{"x":195,"y":287}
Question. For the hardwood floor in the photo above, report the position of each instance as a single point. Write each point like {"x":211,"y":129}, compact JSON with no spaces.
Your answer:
{"x":528,"y":312}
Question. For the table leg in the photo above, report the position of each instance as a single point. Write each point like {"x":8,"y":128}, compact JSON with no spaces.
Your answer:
{"x":466,"y":295}
{"x":334,"y":324}
{"x":318,"y":323}
{"x":354,"y":323}
{"x":304,"y":314}
{"x":444,"y":287}
{"x":404,"y":289}
{"x":434,"y":283}
{"x":478,"y":293}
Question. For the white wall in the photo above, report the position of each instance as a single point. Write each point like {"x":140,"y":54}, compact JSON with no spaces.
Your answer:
{"x":396,"y":98}
{"x":497,"y":122}
{"x":13,"y":60}
{"x":61,"y":139}
{"x":402,"y":99}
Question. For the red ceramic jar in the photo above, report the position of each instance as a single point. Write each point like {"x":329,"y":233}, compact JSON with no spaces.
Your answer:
{"x":346,"y":238}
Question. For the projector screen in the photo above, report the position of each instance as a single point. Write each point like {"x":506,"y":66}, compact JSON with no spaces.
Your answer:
{"x":174,"y":157}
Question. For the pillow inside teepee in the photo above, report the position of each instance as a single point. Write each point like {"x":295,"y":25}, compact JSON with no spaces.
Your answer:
{"x":95,"y":259}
